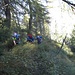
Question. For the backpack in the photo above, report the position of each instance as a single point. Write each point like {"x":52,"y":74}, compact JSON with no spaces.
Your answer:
{"x":29,"y":35}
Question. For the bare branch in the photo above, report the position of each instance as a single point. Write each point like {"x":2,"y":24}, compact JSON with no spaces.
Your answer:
{"x":68,"y":2}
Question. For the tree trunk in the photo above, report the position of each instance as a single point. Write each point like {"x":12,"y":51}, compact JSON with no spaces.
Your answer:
{"x":30,"y":19}
{"x":7,"y":13}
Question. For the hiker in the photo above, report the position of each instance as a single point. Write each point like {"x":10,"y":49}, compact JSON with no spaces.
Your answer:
{"x":16,"y":38}
{"x":39,"y":39}
{"x":30,"y":38}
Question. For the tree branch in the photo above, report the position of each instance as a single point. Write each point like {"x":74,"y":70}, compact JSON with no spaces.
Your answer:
{"x":68,"y":2}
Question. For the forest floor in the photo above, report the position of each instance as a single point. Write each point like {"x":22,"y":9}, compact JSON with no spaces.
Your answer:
{"x":32,"y":59}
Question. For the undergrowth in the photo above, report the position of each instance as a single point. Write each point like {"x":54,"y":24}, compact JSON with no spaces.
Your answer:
{"x":32,"y":59}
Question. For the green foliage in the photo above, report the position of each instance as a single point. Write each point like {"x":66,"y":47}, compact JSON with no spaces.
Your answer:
{"x":2,"y":47}
{"x":9,"y":44}
{"x":72,"y":40}
{"x":4,"y":34}
{"x":34,"y":59}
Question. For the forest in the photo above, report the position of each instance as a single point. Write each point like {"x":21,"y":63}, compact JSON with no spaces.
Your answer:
{"x":37,"y":37}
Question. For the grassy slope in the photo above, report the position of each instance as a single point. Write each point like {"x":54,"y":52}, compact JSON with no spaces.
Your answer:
{"x":33,"y":59}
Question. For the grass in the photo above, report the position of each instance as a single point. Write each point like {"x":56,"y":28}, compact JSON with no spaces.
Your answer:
{"x":33,"y":59}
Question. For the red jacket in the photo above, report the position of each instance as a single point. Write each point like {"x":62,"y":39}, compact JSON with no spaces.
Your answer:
{"x":30,"y":35}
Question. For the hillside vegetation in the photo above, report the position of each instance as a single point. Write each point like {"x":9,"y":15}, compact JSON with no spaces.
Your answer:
{"x":32,"y":59}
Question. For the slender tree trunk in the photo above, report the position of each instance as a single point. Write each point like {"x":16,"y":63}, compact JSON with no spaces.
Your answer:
{"x":7,"y":13}
{"x":63,"y":41}
{"x":30,"y":19}
{"x":43,"y":27}
{"x":35,"y":23}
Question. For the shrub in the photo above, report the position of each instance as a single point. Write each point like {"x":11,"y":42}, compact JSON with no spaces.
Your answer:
{"x":4,"y":34}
